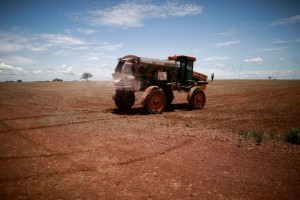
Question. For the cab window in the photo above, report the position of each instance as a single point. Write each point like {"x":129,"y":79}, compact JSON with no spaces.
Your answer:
{"x":119,"y":66}
{"x":127,"y":67}
{"x":190,"y":65}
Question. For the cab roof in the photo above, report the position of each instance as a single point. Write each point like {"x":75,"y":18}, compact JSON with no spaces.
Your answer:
{"x":180,"y":57}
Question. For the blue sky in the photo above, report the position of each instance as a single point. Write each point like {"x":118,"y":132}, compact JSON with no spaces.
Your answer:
{"x":246,"y":39}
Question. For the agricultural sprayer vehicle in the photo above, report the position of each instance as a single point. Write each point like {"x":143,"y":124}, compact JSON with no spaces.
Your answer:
{"x":158,"y":79}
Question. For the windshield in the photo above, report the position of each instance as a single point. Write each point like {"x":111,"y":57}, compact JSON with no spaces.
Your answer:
{"x":119,"y":66}
{"x":127,"y":67}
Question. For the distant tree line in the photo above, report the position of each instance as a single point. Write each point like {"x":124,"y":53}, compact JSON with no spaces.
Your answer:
{"x":13,"y":81}
{"x":85,"y":75}
{"x":57,"y":80}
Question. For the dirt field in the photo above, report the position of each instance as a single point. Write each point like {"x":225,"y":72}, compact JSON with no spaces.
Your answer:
{"x":66,"y":140}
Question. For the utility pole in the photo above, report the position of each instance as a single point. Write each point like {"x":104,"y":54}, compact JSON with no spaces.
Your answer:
{"x":233,"y":72}
{"x":240,"y":71}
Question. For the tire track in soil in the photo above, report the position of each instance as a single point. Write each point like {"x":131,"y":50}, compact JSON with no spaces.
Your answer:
{"x":4,"y":158}
{"x":81,"y":168}
{"x":67,"y":155}
{"x":4,"y":125}
{"x":154,"y":155}
{"x":257,"y":97}
{"x":59,"y":114}
{"x":86,"y":169}
{"x":10,"y":129}
{"x":48,"y":175}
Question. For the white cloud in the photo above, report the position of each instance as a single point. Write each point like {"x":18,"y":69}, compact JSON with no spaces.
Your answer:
{"x":18,"y":60}
{"x":85,"y":31}
{"x":257,"y":60}
{"x":61,"y":53}
{"x":10,"y":70}
{"x":37,"y":72}
{"x":81,"y":48}
{"x":220,"y":65}
{"x":60,"y":40}
{"x":214,"y":58}
{"x":109,"y":57}
{"x":224,"y":44}
{"x":284,"y":21}
{"x":11,"y":42}
{"x":92,"y":58}
{"x":270,"y":49}
{"x":280,"y":41}
{"x":63,"y":70}
{"x":6,"y":46}
{"x":230,"y":32}
{"x":197,"y":50}
{"x":130,"y":14}
{"x":109,"y":47}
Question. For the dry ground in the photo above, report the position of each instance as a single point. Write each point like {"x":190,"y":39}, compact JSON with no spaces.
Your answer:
{"x":67,"y":141}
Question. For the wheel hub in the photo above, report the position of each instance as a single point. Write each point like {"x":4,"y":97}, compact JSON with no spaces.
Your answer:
{"x":156,"y":102}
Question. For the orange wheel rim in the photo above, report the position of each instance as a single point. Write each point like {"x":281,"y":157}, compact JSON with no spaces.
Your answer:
{"x":156,"y":102}
{"x":198,"y":100}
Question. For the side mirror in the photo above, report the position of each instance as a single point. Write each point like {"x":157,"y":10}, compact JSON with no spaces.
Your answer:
{"x":212,"y":77}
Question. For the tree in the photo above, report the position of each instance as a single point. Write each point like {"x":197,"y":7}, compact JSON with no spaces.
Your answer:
{"x":86,"y":76}
{"x":57,"y":80}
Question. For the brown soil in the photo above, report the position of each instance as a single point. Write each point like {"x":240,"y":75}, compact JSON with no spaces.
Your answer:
{"x":68,"y":141}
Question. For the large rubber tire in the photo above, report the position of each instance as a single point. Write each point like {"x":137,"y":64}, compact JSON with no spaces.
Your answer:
{"x":155,"y":101}
{"x":169,"y":95}
{"x":197,"y":100}
{"x":124,"y":99}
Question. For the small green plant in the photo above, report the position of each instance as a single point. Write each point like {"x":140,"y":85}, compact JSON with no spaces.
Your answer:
{"x":293,"y":136}
{"x":257,"y":135}
{"x":272,"y":135}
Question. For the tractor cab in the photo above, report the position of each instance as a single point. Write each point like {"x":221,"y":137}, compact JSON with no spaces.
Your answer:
{"x":185,"y":72}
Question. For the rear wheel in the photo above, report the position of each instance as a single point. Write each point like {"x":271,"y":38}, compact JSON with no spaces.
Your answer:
{"x":197,"y":100}
{"x":155,"y":101}
{"x":124,"y":99}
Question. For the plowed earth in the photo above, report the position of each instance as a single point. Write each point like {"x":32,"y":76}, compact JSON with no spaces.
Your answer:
{"x":67,"y":140}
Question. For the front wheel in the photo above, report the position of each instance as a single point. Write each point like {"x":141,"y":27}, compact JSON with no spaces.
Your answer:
{"x":155,"y":101}
{"x":169,"y":95}
{"x":124,"y":99}
{"x":196,"y":99}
